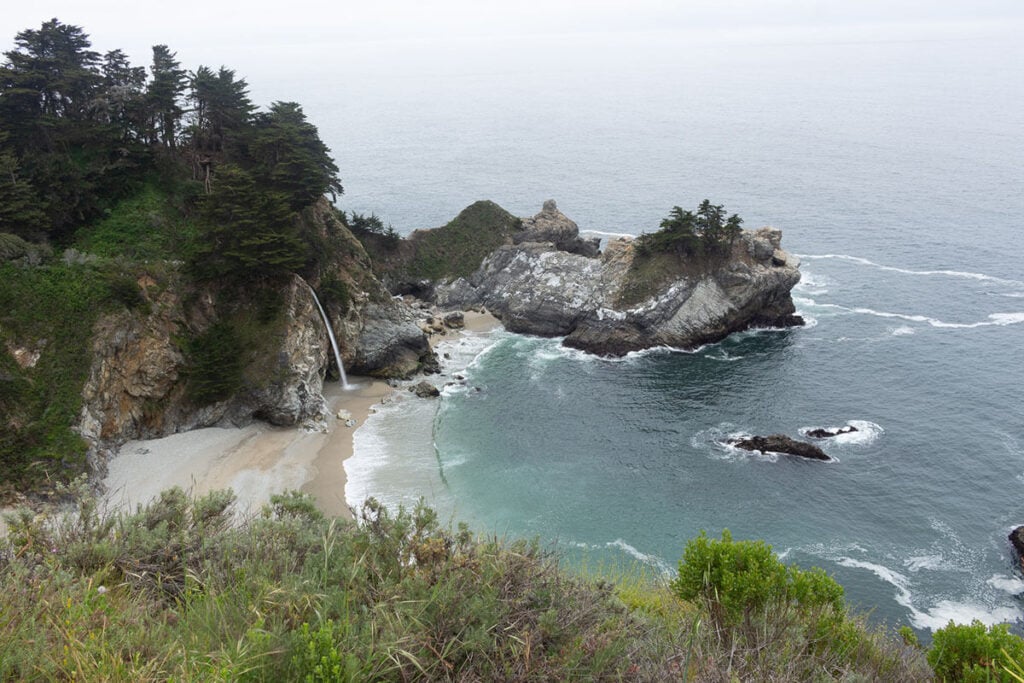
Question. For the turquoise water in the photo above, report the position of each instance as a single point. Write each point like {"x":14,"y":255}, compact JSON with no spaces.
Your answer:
{"x":893,"y":167}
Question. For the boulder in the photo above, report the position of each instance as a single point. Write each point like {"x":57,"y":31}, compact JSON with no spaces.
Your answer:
{"x":390,"y":343}
{"x":551,"y":225}
{"x":780,"y":443}
{"x":425,"y":390}
{"x":825,"y":433}
{"x":1017,"y":541}
{"x":455,"y":320}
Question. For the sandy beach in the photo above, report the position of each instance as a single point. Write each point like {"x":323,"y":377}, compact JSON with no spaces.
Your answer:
{"x":259,"y":460}
{"x":255,"y":461}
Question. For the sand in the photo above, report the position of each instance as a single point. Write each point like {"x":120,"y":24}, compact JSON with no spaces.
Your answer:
{"x":475,"y":323}
{"x":259,"y":460}
{"x":255,"y":461}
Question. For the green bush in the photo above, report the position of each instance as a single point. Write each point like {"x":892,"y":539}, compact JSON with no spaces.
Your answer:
{"x":181,"y":593}
{"x":770,"y":621}
{"x":739,"y":580}
{"x":459,"y":247}
{"x":215,"y":364}
{"x":334,"y":294}
{"x":972,"y":653}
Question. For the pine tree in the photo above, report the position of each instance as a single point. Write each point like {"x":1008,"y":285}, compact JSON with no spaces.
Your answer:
{"x":288,"y":154}
{"x":164,"y":95}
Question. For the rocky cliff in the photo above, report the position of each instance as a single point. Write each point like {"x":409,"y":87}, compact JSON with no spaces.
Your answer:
{"x":143,"y":360}
{"x":547,"y":284}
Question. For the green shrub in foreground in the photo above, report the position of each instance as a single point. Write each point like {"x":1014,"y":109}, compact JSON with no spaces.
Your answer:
{"x":739,"y":580}
{"x":972,"y":653}
{"x":770,"y":621}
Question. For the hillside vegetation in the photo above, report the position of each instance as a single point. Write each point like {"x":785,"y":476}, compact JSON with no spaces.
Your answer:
{"x":116,"y":180}
{"x":453,"y":250}
{"x":176,"y":590}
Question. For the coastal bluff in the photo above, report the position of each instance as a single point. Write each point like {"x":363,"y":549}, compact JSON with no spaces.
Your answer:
{"x":549,"y":281}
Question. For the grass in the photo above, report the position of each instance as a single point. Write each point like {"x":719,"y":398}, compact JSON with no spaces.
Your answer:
{"x":451,"y":251}
{"x":649,"y":275}
{"x":50,"y":311}
{"x":150,"y":225}
{"x":182,"y":590}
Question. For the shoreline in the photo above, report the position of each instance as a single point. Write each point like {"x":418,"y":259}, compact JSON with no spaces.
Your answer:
{"x":259,"y":460}
{"x":255,"y":461}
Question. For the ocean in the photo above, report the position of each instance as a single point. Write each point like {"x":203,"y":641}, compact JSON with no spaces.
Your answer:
{"x":892,"y":158}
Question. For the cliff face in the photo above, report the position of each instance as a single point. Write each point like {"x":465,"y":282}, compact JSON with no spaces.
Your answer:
{"x":137,"y":381}
{"x":536,"y":288}
{"x":142,"y":363}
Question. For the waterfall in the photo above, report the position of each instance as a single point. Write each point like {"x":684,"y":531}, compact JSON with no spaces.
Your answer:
{"x":334,"y":342}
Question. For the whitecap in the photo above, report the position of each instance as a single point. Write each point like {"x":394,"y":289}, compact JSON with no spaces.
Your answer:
{"x":646,"y":558}
{"x":999,"y":319}
{"x":1008,"y":584}
{"x":605,"y":235}
{"x":906,"y":271}
{"x":946,"y":611}
{"x":812,"y":283}
{"x":919,"y":562}
{"x":943,"y":611}
{"x":724,"y":357}
{"x":867,"y":433}
{"x":902,"y":330}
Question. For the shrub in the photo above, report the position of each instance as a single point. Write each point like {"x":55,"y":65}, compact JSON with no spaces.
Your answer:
{"x":334,"y":294}
{"x":770,"y":621}
{"x":214,"y":364}
{"x":970,"y":652}
{"x":739,"y":580}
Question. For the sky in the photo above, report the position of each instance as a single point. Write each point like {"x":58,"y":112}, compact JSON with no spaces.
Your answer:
{"x":195,"y":24}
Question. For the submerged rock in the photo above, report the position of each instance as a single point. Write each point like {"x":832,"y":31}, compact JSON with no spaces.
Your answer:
{"x":780,"y":443}
{"x":824,"y":433}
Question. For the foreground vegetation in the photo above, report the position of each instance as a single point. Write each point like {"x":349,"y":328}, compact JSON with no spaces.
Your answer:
{"x":181,"y":590}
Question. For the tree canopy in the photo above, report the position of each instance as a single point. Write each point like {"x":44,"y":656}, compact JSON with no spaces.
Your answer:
{"x":81,"y":131}
{"x":708,"y":231}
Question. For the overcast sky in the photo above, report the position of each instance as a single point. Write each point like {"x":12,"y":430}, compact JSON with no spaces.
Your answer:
{"x":193,"y":23}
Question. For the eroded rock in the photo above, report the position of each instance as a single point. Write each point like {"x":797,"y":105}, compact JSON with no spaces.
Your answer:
{"x":780,"y":443}
{"x":425,"y":390}
{"x":824,"y":433}
{"x":535,"y":288}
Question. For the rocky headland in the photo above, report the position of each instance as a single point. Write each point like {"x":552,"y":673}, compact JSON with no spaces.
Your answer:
{"x":549,"y":281}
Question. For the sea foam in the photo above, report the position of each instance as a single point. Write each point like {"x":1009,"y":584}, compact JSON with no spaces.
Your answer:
{"x":866,"y":434}
{"x":907,"y":271}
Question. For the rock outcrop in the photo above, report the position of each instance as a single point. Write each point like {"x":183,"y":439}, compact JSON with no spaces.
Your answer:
{"x":551,"y":225}
{"x":537,"y":288}
{"x":823,"y":433}
{"x":1017,"y":541}
{"x":390,"y":343}
{"x":425,"y":389}
{"x":136,"y":386}
{"x":780,"y":443}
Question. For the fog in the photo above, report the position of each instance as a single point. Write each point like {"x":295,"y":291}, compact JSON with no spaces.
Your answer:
{"x":203,"y":27}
